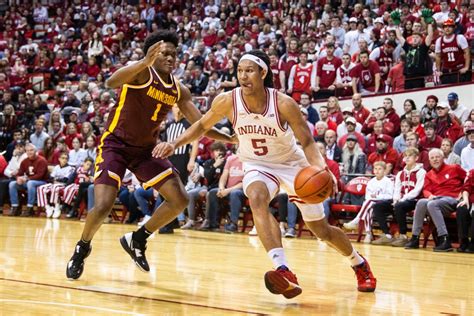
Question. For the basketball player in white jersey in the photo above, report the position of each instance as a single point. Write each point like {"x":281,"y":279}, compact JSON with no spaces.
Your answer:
{"x":266,"y":123}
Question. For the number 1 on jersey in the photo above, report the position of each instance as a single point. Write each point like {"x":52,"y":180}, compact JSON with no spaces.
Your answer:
{"x":260,"y":148}
{"x":155,"y":115}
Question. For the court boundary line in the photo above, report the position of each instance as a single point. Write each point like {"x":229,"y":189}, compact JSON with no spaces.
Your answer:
{"x":136,"y":297}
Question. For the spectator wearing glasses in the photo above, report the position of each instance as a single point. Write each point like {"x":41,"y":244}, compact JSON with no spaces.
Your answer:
{"x":467,"y":154}
{"x":305,"y":102}
{"x":462,"y":142}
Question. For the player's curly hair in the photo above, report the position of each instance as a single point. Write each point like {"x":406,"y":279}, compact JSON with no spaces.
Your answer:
{"x":268,"y":81}
{"x":166,"y":36}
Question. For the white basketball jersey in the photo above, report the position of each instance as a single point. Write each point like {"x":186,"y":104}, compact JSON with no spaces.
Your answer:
{"x":262,"y":137}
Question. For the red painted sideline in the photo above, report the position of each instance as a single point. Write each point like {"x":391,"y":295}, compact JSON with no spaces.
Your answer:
{"x":132,"y":296}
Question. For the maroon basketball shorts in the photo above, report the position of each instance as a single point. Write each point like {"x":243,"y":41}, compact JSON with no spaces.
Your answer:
{"x":114,"y":157}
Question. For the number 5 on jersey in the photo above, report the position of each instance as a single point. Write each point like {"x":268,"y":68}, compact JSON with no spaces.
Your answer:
{"x":155,"y":114}
{"x":259,"y":146}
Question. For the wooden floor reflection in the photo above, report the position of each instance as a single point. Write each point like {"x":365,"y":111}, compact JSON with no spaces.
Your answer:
{"x":199,"y":273}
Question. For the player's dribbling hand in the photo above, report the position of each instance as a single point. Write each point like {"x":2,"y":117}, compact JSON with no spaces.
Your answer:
{"x":152,"y":53}
{"x":163,"y":150}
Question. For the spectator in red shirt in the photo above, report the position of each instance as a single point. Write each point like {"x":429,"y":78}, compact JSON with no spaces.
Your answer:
{"x":366,"y":76}
{"x":324,"y":117}
{"x":384,"y":152}
{"x":396,"y":78}
{"x":334,"y":108}
{"x":431,"y":140}
{"x":392,"y":116}
{"x":417,"y":127}
{"x":78,"y":69}
{"x":360,"y":112}
{"x":325,"y":74}
{"x":380,"y":114}
{"x":92,"y":69}
{"x":33,"y":172}
{"x":443,"y":184}
{"x":351,"y":131}
{"x":445,"y":125}
{"x":60,"y":64}
{"x":463,"y":215}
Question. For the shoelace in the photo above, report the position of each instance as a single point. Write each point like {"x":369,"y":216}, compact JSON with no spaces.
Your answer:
{"x":363,"y":272}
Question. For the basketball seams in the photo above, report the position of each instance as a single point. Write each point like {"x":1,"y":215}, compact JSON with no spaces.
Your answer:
{"x":313,"y":175}
{"x":327,"y":182}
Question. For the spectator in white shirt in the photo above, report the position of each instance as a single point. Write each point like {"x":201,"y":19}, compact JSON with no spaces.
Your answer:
{"x":351,"y":39}
{"x":39,"y":136}
{"x":460,"y":111}
{"x":77,"y":155}
{"x":467,"y":154}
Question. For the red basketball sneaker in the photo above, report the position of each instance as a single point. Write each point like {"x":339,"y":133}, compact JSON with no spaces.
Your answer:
{"x":282,"y":281}
{"x":365,"y":279}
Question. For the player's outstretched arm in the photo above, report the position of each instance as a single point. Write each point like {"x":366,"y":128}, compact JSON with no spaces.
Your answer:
{"x":135,"y":72}
{"x":221,"y":106}
{"x":290,"y":112}
{"x":193,"y":115}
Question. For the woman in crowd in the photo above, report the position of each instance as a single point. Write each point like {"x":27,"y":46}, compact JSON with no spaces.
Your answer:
{"x":450,"y":157}
{"x":353,"y":158}
{"x":408,"y":106}
{"x":90,"y":147}
{"x":8,"y":124}
{"x":50,"y":153}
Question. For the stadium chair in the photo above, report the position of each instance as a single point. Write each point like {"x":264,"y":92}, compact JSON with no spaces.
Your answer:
{"x":429,"y":229}
{"x":356,"y":187}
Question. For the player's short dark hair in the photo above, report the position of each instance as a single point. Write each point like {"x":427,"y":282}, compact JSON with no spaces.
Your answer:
{"x":166,"y":36}
{"x":268,"y":81}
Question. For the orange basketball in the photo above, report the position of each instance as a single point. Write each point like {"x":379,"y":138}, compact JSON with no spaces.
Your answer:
{"x":313,"y":184}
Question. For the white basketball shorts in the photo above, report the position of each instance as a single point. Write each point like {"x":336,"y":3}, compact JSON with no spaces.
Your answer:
{"x":281,"y":176}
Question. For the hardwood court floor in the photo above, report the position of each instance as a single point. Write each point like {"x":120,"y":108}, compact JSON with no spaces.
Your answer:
{"x":198,"y":273}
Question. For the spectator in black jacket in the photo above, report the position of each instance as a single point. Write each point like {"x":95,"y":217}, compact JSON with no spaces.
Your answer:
{"x":199,"y":83}
{"x":213,"y":169}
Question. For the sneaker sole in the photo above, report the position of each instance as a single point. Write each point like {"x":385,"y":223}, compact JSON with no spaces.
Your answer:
{"x":366,"y":290}
{"x":80,"y":274}
{"x":278,"y":284}
{"x":125,"y":247}
{"x":443,"y":250}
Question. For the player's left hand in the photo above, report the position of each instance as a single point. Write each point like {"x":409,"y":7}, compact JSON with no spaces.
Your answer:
{"x":163,"y":150}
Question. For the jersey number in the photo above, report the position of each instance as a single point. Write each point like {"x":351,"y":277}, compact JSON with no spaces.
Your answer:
{"x":155,"y":114}
{"x":259,"y":146}
{"x":451,"y":57}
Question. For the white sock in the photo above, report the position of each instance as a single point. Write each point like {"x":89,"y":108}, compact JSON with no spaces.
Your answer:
{"x":404,"y":236}
{"x":388,"y":236}
{"x":355,"y":258}
{"x":277,"y":255}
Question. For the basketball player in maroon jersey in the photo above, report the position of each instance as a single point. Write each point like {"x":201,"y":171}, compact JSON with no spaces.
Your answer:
{"x":453,"y":56}
{"x":149,"y":91}
{"x":257,"y":110}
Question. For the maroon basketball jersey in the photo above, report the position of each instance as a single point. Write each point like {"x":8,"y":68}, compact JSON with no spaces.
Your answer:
{"x":452,"y":56}
{"x":302,"y":81}
{"x":137,"y":117}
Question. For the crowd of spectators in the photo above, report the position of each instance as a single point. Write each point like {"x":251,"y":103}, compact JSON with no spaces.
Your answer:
{"x":56,"y":55}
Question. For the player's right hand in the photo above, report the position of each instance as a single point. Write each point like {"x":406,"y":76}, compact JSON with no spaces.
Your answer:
{"x":163,"y":150}
{"x":152,"y":54}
